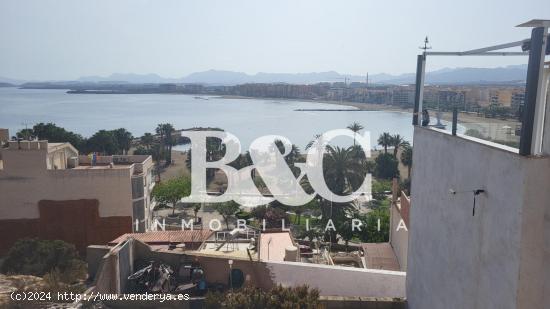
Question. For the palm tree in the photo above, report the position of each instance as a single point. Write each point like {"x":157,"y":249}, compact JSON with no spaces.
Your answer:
{"x":406,"y":159}
{"x":124,"y":139}
{"x":385,"y":140}
{"x":343,"y":174}
{"x":355,"y":127}
{"x":397,"y":141}
{"x":147,"y":140}
{"x":342,"y":170}
{"x":165,"y":130}
{"x":315,"y":137}
{"x":160,"y":132}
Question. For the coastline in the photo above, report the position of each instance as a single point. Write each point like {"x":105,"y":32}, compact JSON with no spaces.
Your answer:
{"x":469,"y":121}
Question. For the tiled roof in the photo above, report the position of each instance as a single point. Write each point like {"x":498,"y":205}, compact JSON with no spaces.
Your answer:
{"x":166,"y":237}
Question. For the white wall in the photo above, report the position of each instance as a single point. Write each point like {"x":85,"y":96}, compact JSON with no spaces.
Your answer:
{"x":25,"y":181}
{"x":495,"y":259}
{"x":399,"y":239}
{"x":339,"y":280}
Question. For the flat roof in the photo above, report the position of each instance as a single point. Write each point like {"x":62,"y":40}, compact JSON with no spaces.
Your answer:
{"x":380,"y":256}
{"x":166,"y":237}
{"x":273,"y":245}
{"x":56,"y":146}
{"x":101,"y":167}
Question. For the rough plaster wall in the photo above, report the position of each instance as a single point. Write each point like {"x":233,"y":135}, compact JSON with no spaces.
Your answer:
{"x":338,"y":280}
{"x":399,"y":239}
{"x":74,"y":221}
{"x":534,"y":259}
{"x":330,"y":280}
{"x":21,"y":190}
{"x":457,"y":260}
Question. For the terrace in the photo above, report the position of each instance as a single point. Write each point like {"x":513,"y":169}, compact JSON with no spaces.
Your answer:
{"x":479,"y":213}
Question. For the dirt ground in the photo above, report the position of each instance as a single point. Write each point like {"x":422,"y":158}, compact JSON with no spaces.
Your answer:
{"x":177,"y":168}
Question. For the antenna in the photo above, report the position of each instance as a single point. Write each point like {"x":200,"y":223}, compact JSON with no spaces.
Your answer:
{"x":426,"y":47}
{"x":26,"y":124}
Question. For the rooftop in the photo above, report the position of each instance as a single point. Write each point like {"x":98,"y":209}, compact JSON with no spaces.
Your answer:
{"x":166,"y":237}
{"x":273,"y":245}
{"x":380,"y":256}
{"x":238,"y":244}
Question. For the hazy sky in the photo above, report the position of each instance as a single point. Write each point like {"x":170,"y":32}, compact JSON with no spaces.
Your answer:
{"x":68,"y":39}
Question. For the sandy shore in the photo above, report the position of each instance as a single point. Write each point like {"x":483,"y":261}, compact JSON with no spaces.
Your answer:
{"x":490,"y":127}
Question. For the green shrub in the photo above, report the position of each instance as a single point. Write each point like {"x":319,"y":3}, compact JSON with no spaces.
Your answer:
{"x":243,"y":215}
{"x":278,"y":297}
{"x":38,"y":257}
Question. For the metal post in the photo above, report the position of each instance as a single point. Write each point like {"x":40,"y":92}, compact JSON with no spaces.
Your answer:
{"x":419,"y":90}
{"x":455,"y":119}
{"x":531,"y":129}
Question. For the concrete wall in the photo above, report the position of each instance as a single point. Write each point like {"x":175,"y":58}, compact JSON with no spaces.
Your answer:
{"x":399,"y":236}
{"x":330,"y":280}
{"x":26,"y":179}
{"x":497,"y":258}
{"x":20,"y":190}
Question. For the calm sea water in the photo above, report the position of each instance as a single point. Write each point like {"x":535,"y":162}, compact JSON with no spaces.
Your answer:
{"x":140,"y":113}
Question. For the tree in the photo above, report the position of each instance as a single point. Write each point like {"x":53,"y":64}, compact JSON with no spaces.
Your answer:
{"x":172,"y":191}
{"x":342,"y":171}
{"x":370,"y":232}
{"x":380,"y":187}
{"x":147,"y":140}
{"x":397,"y":141}
{"x":355,"y":127}
{"x":227,"y":210}
{"x":258,"y":212}
{"x":103,"y":142}
{"x":406,"y":159}
{"x":25,"y":134}
{"x":298,"y":210}
{"x":386,"y":166}
{"x":385,"y":140}
{"x":274,"y":217}
{"x":124,"y":140}
{"x":346,"y":232}
{"x":165,"y":130}
{"x":38,"y":257}
{"x":54,"y":134}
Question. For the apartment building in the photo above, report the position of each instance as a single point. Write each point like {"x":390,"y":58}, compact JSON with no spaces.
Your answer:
{"x":47,"y":190}
{"x":403,"y":96}
{"x":501,"y":97}
{"x":518,"y":100}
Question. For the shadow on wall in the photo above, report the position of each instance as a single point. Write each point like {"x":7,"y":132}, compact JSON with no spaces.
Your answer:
{"x":73,"y":221}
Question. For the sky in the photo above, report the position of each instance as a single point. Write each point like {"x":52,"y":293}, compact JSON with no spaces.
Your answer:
{"x":67,"y":39}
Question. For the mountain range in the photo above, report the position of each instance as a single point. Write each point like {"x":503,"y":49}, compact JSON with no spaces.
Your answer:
{"x":508,"y":74}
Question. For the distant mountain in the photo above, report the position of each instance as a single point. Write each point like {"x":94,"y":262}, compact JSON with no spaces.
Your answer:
{"x":130,"y":78}
{"x":12,"y":81}
{"x":508,"y":74}
{"x":235,"y":78}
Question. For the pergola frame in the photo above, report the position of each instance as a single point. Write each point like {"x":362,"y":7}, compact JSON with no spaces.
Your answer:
{"x":534,"y":108}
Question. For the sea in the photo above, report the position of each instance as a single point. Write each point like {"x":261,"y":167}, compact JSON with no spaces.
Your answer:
{"x":246,"y":118}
